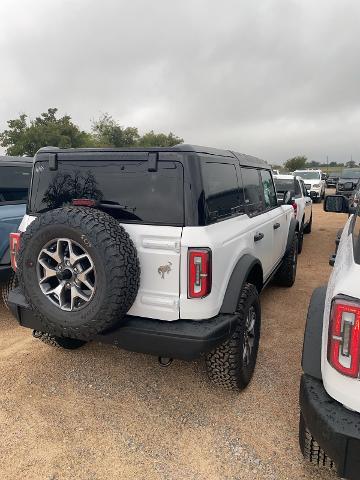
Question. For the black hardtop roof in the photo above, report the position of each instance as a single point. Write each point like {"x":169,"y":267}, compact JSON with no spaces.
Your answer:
{"x":8,"y":160}
{"x":244,"y":159}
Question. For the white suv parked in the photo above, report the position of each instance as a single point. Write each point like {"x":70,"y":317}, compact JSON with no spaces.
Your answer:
{"x":313,"y":183}
{"x":301,"y":202}
{"x":163,"y":251}
{"x":330,"y":386}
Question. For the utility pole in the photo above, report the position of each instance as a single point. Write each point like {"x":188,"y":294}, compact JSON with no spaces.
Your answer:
{"x":327,"y":164}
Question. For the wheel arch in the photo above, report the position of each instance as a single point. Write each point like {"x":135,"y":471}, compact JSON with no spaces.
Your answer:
{"x":293,"y":229}
{"x":247,"y":269}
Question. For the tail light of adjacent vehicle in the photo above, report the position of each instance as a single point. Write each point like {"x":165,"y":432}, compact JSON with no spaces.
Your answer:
{"x":344,"y":337}
{"x":199,"y":272}
{"x":295,"y":207}
{"x":14,"y":248}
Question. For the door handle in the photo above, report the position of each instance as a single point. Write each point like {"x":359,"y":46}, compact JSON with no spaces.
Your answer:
{"x":276,"y":225}
{"x":258,"y":236}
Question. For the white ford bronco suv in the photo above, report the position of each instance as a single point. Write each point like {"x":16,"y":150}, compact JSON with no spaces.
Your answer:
{"x":330,"y":385}
{"x":161,"y":250}
{"x":301,"y":202}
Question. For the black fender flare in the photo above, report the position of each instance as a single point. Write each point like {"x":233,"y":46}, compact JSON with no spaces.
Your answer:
{"x":293,"y":228}
{"x":311,"y":355}
{"x":246,"y":264}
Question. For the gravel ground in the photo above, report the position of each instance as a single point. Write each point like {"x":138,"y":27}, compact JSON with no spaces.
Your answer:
{"x":102,"y":413}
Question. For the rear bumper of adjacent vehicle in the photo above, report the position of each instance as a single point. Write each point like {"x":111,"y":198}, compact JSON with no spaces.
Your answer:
{"x":5,"y":272}
{"x":335,"y":428}
{"x":183,"y":339}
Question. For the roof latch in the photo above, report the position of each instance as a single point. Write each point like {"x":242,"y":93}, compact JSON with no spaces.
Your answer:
{"x":153,"y":158}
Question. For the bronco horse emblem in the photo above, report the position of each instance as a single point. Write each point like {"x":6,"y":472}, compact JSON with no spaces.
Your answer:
{"x":164,"y":269}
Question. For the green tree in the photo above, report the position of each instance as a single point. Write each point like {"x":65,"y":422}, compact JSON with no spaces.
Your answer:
{"x":107,"y":132}
{"x":152,"y":139}
{"x":24,"y":136}
{"x":296,"y":163}
{"x":350,"y":164}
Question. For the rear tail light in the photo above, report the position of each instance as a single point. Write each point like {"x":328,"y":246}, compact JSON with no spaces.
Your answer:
{"x":295,"y":207}
{"x":199,"y":272}
{"x":14,"y":248}
{"x":344,"y":337}
{"x":83,"y":202}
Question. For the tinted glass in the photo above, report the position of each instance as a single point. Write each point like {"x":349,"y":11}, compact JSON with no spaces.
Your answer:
{"x":303,"y":188}
{"x":125,"y":189}
{"x":14,"y":183}
{"x":351,"y":173}
{"x":270,"y":198}
{"x":356,"y":235}
{"x":221,"y":189}
{"x":286,"y":185}
{"x":252,"y":190}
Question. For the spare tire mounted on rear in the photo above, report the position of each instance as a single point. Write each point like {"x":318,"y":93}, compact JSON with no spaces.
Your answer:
{"x":79,"y":270}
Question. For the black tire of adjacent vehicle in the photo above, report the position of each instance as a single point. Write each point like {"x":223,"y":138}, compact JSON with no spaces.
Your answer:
{"x":116,"y":264}
{"x":58,"y":342}
{"x":225,"y":364}
{"x":286,"y":274}
{"x":301,"y":238}
{"x":9,"y":285}
{"x":311,"y":450}
{"x":307,"y":228}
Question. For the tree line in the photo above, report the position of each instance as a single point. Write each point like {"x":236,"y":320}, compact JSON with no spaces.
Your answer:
{"x":301,"y":161}
{"x":24,"y":136}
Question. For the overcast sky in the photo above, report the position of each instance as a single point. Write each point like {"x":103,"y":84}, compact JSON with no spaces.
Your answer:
{"x":272,"y":78}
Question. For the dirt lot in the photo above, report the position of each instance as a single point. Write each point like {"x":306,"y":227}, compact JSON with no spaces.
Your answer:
{"x":102,"y":413}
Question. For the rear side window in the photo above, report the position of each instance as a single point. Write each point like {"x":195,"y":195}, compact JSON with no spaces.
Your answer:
{"x":221,"y":188}
{"x":14,"y":183}
{"x":270,"y":199}
{"x":252,"y":190}
{"x":356,"y":236}
{"x":124,"y":189}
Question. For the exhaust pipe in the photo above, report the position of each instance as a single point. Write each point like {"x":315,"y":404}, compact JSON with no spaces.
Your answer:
{"x":165,"y":361}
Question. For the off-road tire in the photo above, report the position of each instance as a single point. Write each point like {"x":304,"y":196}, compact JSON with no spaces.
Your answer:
{"x":7,"y":286}
{"x":311,"y":450}
{"x":286,"y":275}
{"x":300,"y":238}
{"x":116,"y":263}
{"x":58,"y":342}
{"x":308,"y":227}
{"x":225,"y":364}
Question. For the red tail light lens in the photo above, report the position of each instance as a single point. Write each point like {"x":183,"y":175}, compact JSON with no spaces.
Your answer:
{"x":295,"y":207}
{"x":83,"y":202}
{"x":14,"y":248}
{"x":344,"y":337}
{"x":199,"y":271}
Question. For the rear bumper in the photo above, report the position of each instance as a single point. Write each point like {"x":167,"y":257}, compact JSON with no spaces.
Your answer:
{"x":336,"y":429}
{"x":5,"y":272}
{"x":183,"y":339}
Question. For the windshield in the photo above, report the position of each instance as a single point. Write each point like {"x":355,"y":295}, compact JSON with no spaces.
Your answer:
{"x":351,"y":173}
{"x":308,"y":175}
{"x":284,"y":185}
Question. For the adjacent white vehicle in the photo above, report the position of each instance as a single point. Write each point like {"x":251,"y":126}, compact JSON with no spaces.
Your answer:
{"x":313,"y":183}
{"x":163,"y":251}
{"x":301,"y":202}
{"x":330,"y":386}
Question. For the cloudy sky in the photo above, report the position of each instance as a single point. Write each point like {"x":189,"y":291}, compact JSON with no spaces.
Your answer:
{"x":273,"y":78}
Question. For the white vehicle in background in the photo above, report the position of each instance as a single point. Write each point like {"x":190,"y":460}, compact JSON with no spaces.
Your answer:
{"x":330,"y":386}
{"x":313,"y":183}
{"x":301,"y":202}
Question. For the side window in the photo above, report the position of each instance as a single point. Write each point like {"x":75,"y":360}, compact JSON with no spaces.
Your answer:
{"x":14,"y":183}
{"x":356,"y":236}
{"x":221,"y":188}
{"x":303,"y":188}
{"x":298,"y":189}
{"x":268,"y":189}
{"x":252,"y":190}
